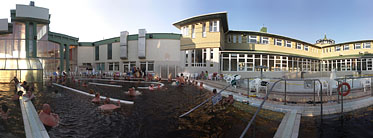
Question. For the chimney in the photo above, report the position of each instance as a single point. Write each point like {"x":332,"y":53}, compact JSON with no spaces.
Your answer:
{"x":32,"y":3}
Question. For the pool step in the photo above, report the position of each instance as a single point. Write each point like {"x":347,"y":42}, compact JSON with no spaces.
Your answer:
{"x":34,"y":128}
{"x":289,"y":127}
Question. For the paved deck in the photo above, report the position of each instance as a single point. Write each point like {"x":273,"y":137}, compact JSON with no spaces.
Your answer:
{"x":303,"y":109}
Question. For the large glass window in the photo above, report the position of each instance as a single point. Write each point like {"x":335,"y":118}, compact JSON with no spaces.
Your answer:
{"x":234,"y":39}
{"x":239,"y":38}
{"x":233,"y":62}
{"x":111,"y":66}
{"x":109,"y":51}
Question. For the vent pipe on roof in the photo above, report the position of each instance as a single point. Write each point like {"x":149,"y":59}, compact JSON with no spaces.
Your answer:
{"x":32,"y":3}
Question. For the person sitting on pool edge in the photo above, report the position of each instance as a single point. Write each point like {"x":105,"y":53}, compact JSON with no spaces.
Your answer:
{"x":181,"y":80}
{"x":107,"y":106}
{"x":48,"y":118}
{"x":97,"y":99}
{"x":4,"y":112}
{"x":17,"y":95}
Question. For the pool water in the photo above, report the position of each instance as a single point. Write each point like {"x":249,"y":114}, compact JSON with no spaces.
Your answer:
{"x":358,"y":123}
{"x":154,"y":114}
{"x":13,"y":126}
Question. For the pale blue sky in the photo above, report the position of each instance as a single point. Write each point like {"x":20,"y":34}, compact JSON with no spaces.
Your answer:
{"x":308,"y":20}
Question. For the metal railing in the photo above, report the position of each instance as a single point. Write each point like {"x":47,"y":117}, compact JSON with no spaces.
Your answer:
{"x":266,"y":97}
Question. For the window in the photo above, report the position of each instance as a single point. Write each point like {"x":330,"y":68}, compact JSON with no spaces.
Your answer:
{"x":111,"y":66}
{"x":337,"y":48}
{"x":97,"y":53}
{"x":278,"y":42}
{"x":204,"y":30}
{"x":366,"y":45}
{"x":214,"y":26}
{"x":147,"y":66}
{"x":116,"y":66}
{"x":357,"y":46}
{"x":229,"y":39}
{"x":346,"y":47}
{"x":234,"y":39}
{"x":198,"y":58}
{"x":251,"y":39}
{"x":264,"y":40}
{"x":306,"y":48}
{"x":126,"y":66}
{"x":185,"y":30}
{"x":299,"y":46}
{"x":193,"y":32}
{"x":109,"y":51}
{"x":288,"y":43}
{"x":240,"y":39}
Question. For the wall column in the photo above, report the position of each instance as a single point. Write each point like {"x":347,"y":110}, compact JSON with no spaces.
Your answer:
{"x":67,"y":57}
{"x":62,"y":53}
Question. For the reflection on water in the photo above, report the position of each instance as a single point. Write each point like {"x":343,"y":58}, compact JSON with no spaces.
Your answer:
{"x":13,"y":126}
{"x":358,"y":123}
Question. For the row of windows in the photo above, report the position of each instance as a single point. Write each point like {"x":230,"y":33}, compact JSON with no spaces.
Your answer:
{"x":252,"y":39}
{"x":147,"y":66}
{"x":213,"y":27}
{"x":347,"y":47}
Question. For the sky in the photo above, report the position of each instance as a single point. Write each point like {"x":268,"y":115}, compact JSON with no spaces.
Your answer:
{"x":307,"y":20}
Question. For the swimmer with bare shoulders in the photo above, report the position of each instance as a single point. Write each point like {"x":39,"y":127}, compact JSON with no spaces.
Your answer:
{"x":48,"y":118}
{"x":107,"y":106}
{"x":97,"y":98}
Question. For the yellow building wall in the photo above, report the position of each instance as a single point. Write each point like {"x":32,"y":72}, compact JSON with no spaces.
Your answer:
{"x":212,"y":39}
{"x":349,"y":52}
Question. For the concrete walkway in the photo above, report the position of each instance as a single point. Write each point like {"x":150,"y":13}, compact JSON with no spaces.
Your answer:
{"x":303,"y":109}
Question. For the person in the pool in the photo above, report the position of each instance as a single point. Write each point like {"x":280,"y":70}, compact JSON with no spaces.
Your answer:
{"x":96,"y":99}
{"x":29,"y":96}
{"x":4,"y":112}
{"x":48,"y":118}
{"x":84,"y":84}
{"x":16,"y":82}
{"x":108,"y":106}
{"x":151,"y":87}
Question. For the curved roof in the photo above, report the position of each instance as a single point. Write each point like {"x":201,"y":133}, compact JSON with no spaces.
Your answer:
{"x":220,"y":15}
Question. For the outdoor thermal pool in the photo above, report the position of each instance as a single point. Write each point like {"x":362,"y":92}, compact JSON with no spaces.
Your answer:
{"x":154,"y":114}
